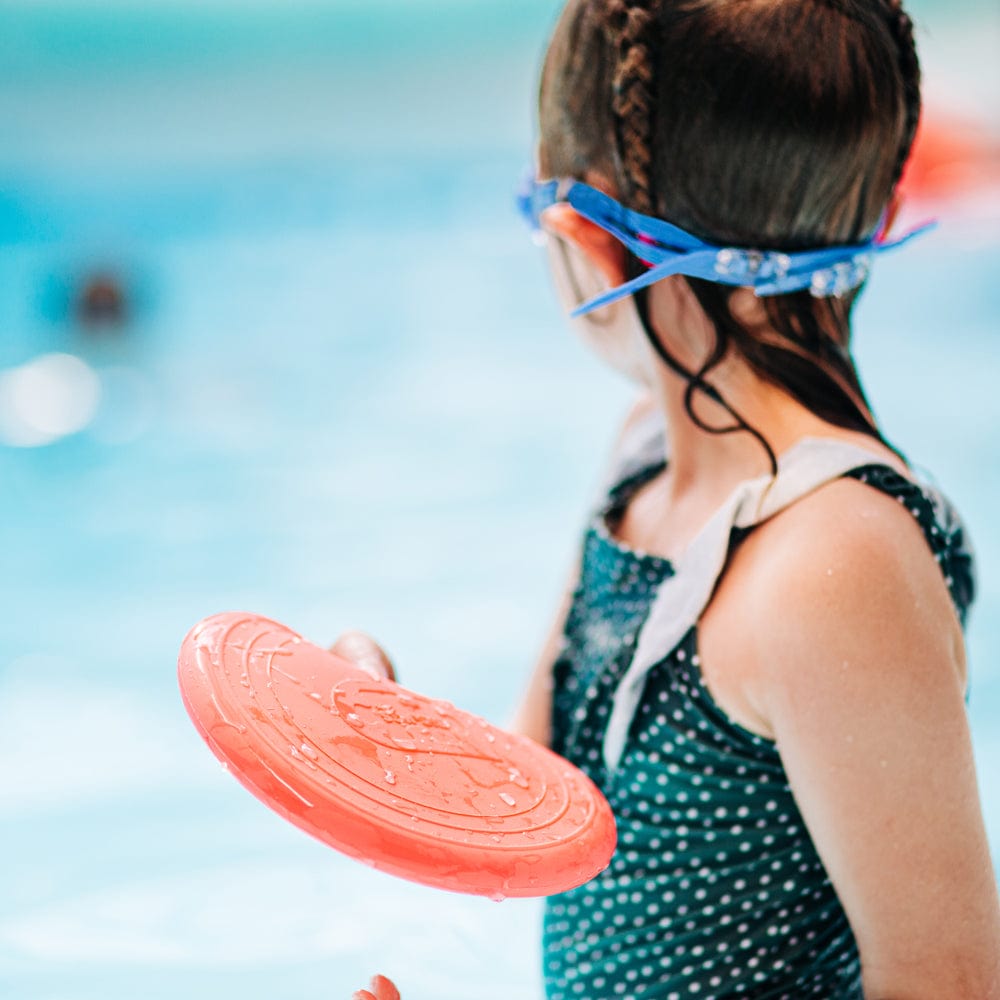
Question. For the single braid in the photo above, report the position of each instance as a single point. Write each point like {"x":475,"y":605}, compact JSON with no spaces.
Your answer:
{"x":901,"y":29}
{"x":631,"y":27}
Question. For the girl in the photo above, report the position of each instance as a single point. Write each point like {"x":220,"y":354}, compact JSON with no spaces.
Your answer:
{"x":760,"y":660}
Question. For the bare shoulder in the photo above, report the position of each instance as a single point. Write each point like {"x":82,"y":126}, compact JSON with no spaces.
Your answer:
{"x":858,"y":675}
{"x":849,"y":517}
{"x":640,"y":410}
{"x":846,"y":575}
{"x":636,"y":433}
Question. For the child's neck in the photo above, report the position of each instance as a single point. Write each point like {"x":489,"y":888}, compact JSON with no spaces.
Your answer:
{"x":705,"y":467}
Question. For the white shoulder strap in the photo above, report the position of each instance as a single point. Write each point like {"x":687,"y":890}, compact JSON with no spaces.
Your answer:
{"x":682,"y":598}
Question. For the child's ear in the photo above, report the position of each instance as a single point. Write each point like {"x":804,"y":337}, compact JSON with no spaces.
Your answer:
{"x":600,"y":247}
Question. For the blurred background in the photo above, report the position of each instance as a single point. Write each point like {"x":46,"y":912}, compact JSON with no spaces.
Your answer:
{"x":272,"y":338}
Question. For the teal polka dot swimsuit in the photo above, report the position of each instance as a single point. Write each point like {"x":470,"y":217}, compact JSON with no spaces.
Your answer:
{"x":715,"y":889}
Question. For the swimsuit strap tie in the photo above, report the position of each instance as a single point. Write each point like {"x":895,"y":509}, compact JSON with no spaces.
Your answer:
{"x":682,"y":598}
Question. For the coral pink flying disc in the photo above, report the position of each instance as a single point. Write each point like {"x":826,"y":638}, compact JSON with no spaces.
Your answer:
{"x":405,"y":783}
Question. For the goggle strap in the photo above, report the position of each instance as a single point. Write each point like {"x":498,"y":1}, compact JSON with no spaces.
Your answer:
{"x":669,"y":250}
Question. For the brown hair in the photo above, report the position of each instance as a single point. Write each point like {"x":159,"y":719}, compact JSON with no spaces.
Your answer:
{"x":773,"y":124}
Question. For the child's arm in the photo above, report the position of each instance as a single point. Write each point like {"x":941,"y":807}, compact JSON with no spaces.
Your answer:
{"x":533,"y":716}
{"x":861,"y":676}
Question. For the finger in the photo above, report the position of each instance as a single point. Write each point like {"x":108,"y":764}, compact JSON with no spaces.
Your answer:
{"x":363,"y":995}
{"x":384,"y":988}
{"x":364,"y":652}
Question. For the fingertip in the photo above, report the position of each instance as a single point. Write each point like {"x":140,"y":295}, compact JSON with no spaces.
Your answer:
{"x":370,"y":667}
{"x":384,"y":988}
{"x":364,"y":653}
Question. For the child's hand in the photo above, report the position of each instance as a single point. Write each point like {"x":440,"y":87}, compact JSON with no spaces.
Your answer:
{"x":381,"y":989}
{"x":364,"y":652}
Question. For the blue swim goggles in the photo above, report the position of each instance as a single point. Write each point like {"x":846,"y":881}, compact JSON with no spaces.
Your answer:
{"x":667,"y":249}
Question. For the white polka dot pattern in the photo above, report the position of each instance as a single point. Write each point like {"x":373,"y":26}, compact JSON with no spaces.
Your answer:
{"x":715,"y":889}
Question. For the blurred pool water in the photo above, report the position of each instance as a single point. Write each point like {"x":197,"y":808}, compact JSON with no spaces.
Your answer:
{"x":337,"y":392}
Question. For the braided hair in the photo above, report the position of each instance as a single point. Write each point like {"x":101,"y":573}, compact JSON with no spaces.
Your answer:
{"x":632,"y":26}
{"x":760,"y":126}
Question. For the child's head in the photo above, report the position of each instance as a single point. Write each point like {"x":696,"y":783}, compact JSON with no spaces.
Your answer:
{"x":774,"y":124}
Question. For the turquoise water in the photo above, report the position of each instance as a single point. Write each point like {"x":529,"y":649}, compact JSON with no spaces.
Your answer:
{"x":345,"y":399}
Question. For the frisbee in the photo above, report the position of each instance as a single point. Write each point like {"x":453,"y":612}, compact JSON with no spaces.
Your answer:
{"x":408,"y":784}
